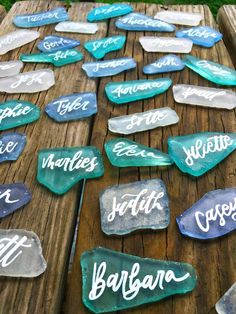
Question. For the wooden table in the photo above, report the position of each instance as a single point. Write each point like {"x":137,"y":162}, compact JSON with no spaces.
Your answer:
{"x":54,"y":218}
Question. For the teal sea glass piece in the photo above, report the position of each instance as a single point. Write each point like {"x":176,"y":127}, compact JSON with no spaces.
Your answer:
{"x":114,"y":281}
{"x":124,"y":92}
{"x":99,"y":48}
{"x":214,"y":72}
{"x":58,"y":58}
{"x":196,"y":154}
{"x":17,"y":112}
{"x":126,"y":153}
{"x":108,"y":11}
{"x":41,"y":18}
{"x":61,"y":168}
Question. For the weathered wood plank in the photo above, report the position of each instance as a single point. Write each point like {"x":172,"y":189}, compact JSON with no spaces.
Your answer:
{"x":226,"y":18}
{"x":2,"y":12}
{"x":213,"y":260}
{"x":52,"y":217}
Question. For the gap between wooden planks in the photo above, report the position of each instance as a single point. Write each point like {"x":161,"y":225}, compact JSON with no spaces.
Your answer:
{"x":213,"y":260}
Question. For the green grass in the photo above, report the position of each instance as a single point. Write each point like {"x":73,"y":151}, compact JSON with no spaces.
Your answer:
{"x":213,"y":4}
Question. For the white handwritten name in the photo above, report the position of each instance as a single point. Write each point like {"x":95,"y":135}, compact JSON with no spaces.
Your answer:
{"x":111,"y":64}
{"x":7,"y":195}
{"x":123,"y":90}
{"x":121,"y":149}
{"x":202,"y":33}
{"x":41,"y":17}
{"x":66,"y":106}
{"x":141,"y":21}
{"x":210,"y":95}
{"x":28,"y":80}
{"x":56,"y":44}
{"x":58,"y":55}
{"x":217,"y":70}
{"x":109,"y":10}
{"x":146,"y":118}
{"x":8,"y":147}
{"x":105,"y":43}
{"x":167,"y":62}
{"x":18,"y":110}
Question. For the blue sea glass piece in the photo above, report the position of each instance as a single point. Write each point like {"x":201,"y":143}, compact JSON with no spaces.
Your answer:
{"x":210,"y":217}
{"x":202,"y":35}
{"x":53,"y":43}
{"x":12,"y":197}
{"x":126,"y":153}
{"x":168,"y":63}
{"x":42,"y":18}
{"x":108,"y":67}
{"x":141,"y":22}
{"x":72,"y":107}
{"x":99,"y":48}
{"x":197,"y":153}
{"x":11,"y":146}
{"x":214,"y":72}
{"x":17,"y":112}
{"x":108,"y":11}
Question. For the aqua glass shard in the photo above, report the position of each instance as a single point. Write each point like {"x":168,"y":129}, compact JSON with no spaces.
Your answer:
{"x":227,"y":303}
{"x":210,"y":217}
{"x":53,"y":43}
{"x":204,"y":96}
{"x":61,"y":168}
{"x":108,"y":11}
{"x":122,"y":152}
{"x":17,"y":112}
{"x":12,"y":197}
{"x":99,"y":48}
{"x":142,"y":121}
{"x":133,"y":206}
{"x":9,"y":68}
{"x":108,"y":67}
{"x":124,"y":92}
{"x":11,"y":146}
{"x":77,"y":27}
{"x":179,"y":18}
{"x":141,"y":22}
{"x":202,"y":35}
{"x":114,"y":281}
{"x":212,"y":71}
{"x":196,"y":154}
{"x":168,"y":63}
{"x":58,"y":58}
{"x":72,"y":107}
{"x":41,"y":18}
{"x":21,"y":254}
{"x":16,"y":39}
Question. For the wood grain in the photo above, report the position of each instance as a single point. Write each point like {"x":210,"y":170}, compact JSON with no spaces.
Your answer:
{"x":2,"y":12}
{"x":213,"y":260}
{"x":226,"y":18}
{"x":52,"y":217}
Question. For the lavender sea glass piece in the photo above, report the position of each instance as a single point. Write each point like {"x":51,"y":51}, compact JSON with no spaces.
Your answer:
{"x":11,"y":146}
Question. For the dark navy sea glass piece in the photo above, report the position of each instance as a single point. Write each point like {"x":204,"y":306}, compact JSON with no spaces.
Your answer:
{"x":212,"y":216}
{"x":72,"y":107}
{"x":168,"y":63}
{"x":11,"y":146}
{"x":53,"y":43}
{"x":12,"y":197}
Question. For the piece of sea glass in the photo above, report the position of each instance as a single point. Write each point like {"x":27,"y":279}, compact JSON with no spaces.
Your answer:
{"x":179,"y":18}
{"x":108,"y":11}
{"x":21,"y":254}
{"x":204,"y":96}
{"x":210,"y":217}
{"x":12,"y":197}
{"x":58,"y":58}
{"x":108,"y":67}
{"x":99,"y":48}
{"x":61,"y":168}
{"x":11,"y":146}
{"x":16,"y":39}
{"x":77,"y":27}
{"x":72,"y":107}
{"x":122,"y":152}
{"x":166,"y":44}
{"x":28,"y":82}
{"x":212,"y":71}
{"x":133,"y":206}
{"x":17,"y":112}
{"x":168,"y":63}
{"x":141,"y":22}
{"x":114,"y":281}
{"x":9,"y":68}
{"x":197,"y":153}
{"x":227,"y":303}
{"x":41,"y":18}
{"x":202,"y":35}
{"x":53,"y":43}
{"x":147,"y":120}
{"x":124,"y":92}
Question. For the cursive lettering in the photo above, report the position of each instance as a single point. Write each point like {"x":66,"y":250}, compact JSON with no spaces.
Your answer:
{"x":210,"y":95}
{"x":121,"y":149}
{"x":18,"y":110}
{"x":66,"y":106}
{"x":146,"y":118}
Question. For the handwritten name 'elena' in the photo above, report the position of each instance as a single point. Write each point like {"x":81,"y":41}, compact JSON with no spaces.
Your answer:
{"x":121,"y":149}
